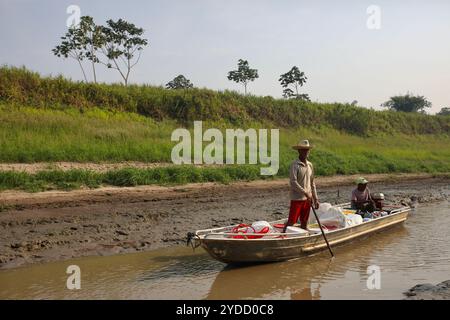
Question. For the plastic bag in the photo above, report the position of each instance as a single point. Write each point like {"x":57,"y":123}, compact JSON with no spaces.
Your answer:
{"x":353,"y":220}
{"x":257,"y":229}
{"x":258,"y":226}
{"x":328,"y":216}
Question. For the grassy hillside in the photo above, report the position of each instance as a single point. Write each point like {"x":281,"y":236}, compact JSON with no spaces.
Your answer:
{"x":22,"y":87}
{"x":53,"y":119}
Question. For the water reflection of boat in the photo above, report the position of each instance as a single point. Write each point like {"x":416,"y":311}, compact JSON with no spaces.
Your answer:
{"x":279,"y":247}
{"x":300,"y":279}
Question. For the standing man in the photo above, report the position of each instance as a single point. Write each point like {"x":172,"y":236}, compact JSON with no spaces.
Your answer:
{"x":303,"y":188}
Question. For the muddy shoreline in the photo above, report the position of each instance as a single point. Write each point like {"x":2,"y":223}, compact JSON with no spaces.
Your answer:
{"x":51,"y":226}
{"x":427,"y":291}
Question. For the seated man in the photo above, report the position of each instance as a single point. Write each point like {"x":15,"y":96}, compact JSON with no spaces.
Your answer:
{"x":361,"y":199}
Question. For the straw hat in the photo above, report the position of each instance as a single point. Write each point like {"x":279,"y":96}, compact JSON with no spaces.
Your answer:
{"x":361,"y":180}
{"x":304,"y":144}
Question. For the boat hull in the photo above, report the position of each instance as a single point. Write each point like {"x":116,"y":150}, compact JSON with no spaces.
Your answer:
{"x":273,"y":249}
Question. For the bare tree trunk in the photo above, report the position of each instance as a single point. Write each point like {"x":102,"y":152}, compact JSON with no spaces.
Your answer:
{"x":128,"y":70}
{"x":125,"y":80}
{"x":82,"y":70}
{"x":93,"y":65}
{"x":93,"y":71}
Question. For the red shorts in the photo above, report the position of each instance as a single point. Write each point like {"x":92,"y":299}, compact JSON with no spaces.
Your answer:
{"x":299,"y":209}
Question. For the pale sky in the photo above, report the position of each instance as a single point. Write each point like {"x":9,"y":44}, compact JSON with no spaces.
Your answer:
{"x":343,"y":59}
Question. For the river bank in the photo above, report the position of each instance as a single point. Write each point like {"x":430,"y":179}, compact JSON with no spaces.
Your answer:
{"x":56,"y":225}
{"x":427,"y":291}
{"x":406,"y":254}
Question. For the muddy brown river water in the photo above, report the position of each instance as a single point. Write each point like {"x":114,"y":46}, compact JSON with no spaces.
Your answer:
{"x":416,"y":252}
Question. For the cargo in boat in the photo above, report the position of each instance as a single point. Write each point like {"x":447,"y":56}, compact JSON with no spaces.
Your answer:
{"x":229,"y":246}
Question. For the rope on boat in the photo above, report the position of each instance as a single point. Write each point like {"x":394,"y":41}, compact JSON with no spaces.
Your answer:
{"x":191,"y":240}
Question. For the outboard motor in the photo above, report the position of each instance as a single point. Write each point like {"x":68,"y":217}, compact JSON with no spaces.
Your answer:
{"x":378,"y":198}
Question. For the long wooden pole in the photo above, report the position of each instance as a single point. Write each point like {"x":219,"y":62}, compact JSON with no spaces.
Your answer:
{"x":321,"y":229}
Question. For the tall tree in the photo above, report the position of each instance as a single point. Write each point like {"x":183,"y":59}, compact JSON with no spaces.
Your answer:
{"x":244,"y":74}
{"x":179,"y":82}
{"x":293,"y":80}
{"x":93,"y":39}
{"x":407,"y":103}
{"x":73,"y":46}
{"x":444,"y":112}
{"x":123,"y":46}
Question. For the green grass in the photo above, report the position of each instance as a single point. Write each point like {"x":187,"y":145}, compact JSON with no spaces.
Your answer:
{"x":34,"y":135}
{"x":19,"y":87}
{"x":173,"y":175}
{"x":54,"y":119}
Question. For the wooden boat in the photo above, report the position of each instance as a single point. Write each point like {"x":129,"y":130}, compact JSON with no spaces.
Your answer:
{"x":281,"y":246}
